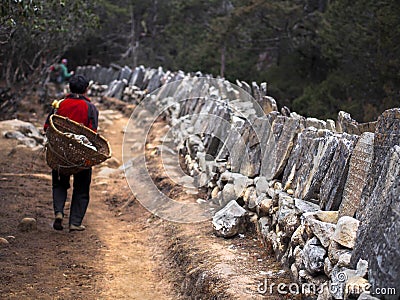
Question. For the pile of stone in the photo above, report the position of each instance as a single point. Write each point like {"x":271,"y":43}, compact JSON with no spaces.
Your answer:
{"x":124,"y":83}
{"x":302,"y":179}
{"x":26,"y":133}
{"x":323,"y":194}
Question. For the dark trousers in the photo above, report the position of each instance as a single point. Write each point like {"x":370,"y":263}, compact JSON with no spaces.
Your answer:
{"x":80,"y":194}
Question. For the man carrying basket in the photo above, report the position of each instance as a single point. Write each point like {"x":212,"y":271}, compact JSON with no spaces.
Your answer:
{"x":77,"y":107}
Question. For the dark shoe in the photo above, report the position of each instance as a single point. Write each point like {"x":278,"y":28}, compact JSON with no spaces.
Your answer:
{"x":76,"y":228}
{"x":57,"y":225}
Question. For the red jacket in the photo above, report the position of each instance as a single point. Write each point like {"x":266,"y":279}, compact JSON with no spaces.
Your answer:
{"x":79,"y":109}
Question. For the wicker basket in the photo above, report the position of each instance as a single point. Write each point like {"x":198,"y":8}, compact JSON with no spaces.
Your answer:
{"x":67,"y":155}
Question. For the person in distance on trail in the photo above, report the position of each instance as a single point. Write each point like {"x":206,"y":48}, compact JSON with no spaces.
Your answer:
{"x":76,"y":106}
{"x":59,"y":72}
{"x":64,"y":70}
{"x":58,"y":77}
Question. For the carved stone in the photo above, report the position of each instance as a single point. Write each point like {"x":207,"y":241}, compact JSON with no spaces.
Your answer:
{"x":309,"y":162}
{"x":278,"y":145}
{"x":332,"y":185}
{"x":360,"y":163}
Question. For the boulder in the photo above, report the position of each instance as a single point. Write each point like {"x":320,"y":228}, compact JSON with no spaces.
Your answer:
{"x":250,"y":197}
{"x":302,"y":206}
{"x":21,"y":138}
{"x":362,"y":268}
{"x":335,"y":250}
{"x":323,"y":231}
{"x":344,"y":260}
{"x":346,"y":232}
{"x":346,"y":124}
{"x":230,"y":220}
{"x":287,"y":216}
{"x":314,"y":256}
{"x":25,"y":130}
{"x":263,"y":227}
{"x":263,"y":206}
{"x":327,"y":216}
{"x":316,"y":123}
{"x":387,"y":136}
{"x":240,"y":183}
{"x":261,"y":185}
{"x":125,"y":73}
{"x":268,"y":104}
{"x":298,"y":257}
{"x":228,"y":193}
{"x":297,"y":237}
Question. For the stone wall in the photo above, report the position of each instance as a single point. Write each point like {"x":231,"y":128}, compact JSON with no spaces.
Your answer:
{"x":324,"y":195}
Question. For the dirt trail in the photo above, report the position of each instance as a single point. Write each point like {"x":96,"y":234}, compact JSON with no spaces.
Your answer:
{"x":122,"y":225}
{"x":113,"y":259}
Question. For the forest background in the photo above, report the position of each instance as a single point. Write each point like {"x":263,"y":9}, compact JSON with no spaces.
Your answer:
{"x":317,"y":56}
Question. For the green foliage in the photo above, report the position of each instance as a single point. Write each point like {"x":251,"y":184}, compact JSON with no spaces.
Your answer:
{"x":360,"y":41}
{"x":326,"y":99}
{"x":318,"y":57}
{"x":36,"y":31}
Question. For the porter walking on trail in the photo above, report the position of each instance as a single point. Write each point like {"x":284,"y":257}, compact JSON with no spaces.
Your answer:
{"x":58,"y":77}
{"x":77,"y":107}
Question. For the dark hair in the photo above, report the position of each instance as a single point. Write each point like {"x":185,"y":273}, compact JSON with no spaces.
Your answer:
{"x":78,"y":84}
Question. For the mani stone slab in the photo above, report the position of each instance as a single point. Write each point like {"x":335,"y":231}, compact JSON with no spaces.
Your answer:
{"x":332,"y":185}
{"x":360,"y":163}
{"x":259,"y":126}
{"x":378,"y":236}
{"x":277,"y":144}
{"x":387,"y":135}
{"x":309,"y":162}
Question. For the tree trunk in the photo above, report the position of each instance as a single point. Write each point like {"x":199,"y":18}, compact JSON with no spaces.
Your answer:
{"x":223,"y":52}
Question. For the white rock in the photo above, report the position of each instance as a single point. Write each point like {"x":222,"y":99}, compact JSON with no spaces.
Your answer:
{"x":346,"y":231}
{"x":328,"y":267}
{"x":344,"y":260}
{"x":230,"y":220}
{"x":261,"y":185}
{"x":3,"y":242}
{"x":362,"y":268}
{"x":27,"y":224}
{"x":323,"y":231}
{"x":314,"y":256}
{"x":335,"y":250}
{"x":327,"y":216}
{"x":297,"y":237}
{"x":264,"y":206}
{"x":214,"y":193}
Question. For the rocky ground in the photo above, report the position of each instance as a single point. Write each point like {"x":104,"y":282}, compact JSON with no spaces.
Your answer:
{"x":125,"y":253}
